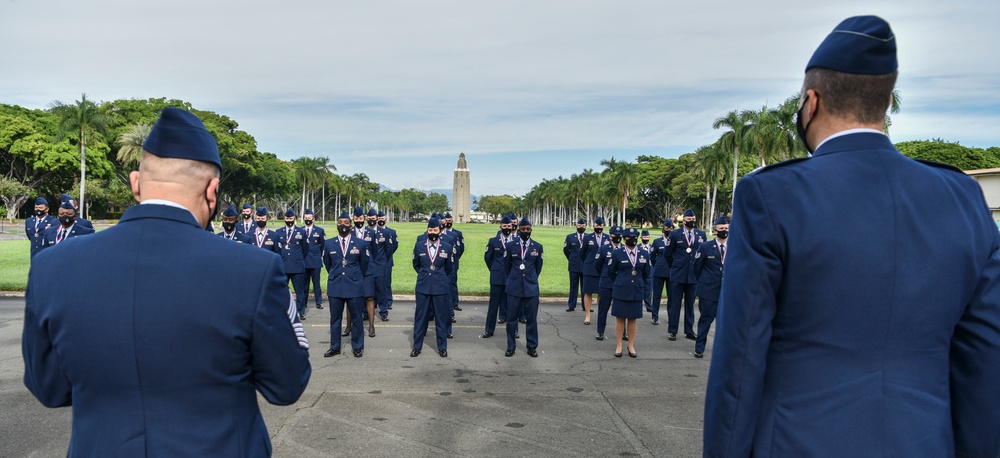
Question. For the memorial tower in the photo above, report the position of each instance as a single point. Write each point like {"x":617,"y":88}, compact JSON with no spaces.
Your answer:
{"x":461,"y":205}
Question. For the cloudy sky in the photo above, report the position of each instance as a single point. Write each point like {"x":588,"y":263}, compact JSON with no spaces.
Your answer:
{"x":527,"y":89}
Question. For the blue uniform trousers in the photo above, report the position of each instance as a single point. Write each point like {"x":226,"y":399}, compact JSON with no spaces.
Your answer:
{"x":527,"y":307}
{"x":313,"y":276}
{"x":658,"y":284}
{"x":453,"y":278}
{"x":707,"y":309}
{"x":356,"y":306}
{"x":388,"y":288}
{"x":498,"y":305}
{"x":575,"y":285}
{"x":301,"y":286}
{"x":437,"y":305}
{"x":380,"y":295}
{"x":677,"y":292}
{"x":648,"y":300}
{"x":603,"y":307}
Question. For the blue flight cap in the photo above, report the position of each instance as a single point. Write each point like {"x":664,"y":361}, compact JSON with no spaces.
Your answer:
{"x":41,"y":201}
{"x":863,"y":45}
{"x":524,"y":222}
{"x":644,"y":233}
{"x":599,"y":220}
{"x":309,"y":211}
{"x":247,"y":205}
{"x":616,"y":230}
{"x":433,"y":222}
{"x":689,"y":212}
{"x":261,"y":211}
{"x":344,"y":215}
{"x":631,"y":232}
{"x":230,"y":211}
{"x":381,"y":214}
{"x":289,"y":213}
{"x":721,"y":220}
{"x":505,"y":220}
{"x":67,"y":206}
{"x":447,"y":215}
{"x":65,"y":198}
{"x":581,"y":221}
{"x":668,"y":222}
{"x":180,"y":134}
{"x":358,"y":211}
{"x":372,"y":212}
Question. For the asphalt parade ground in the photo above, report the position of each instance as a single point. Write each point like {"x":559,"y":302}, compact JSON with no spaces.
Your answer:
{"x":574,"y":399}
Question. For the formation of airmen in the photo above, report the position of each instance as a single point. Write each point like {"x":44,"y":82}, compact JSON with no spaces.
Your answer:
{"x":43,"y":230}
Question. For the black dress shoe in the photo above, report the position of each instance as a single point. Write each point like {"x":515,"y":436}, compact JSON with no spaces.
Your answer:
{"x":458,"y":308}
{"x":453,"y":320}
{"x":532,"y":353}
{"x":450,"y":335}
{"x":522,"y":321}
{"x":509,"y":353}
{"x":625,"y":337}
{"x":656,"y":322}
{"x":600,"y":337}
{"x":672,"y":336}
{"x":385,"y":318}
{"x":570,"y":309}
{"x":443,"y":353}
{"x":319,"y":306}
{"x":346,"y":333}
{"x":502,"y":320}
{"x":690,"y":336}
{"x":698,"y":355}
{"x":486,"y":335}
{"x":517,"y":335}
{"x":633,"y":355}
{"x":359,"y":352}
{"x":302,"y":318}
{"x":390,"y":306}
{"x":414,"y":353}
{"x":331,"y":352}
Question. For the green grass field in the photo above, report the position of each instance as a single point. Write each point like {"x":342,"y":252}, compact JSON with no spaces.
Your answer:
{"x":473,"y":277}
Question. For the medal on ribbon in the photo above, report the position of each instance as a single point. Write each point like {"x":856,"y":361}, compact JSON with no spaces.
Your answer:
{"x":344,"y":243}
{"x":633,"y":256}
{"x":437,"y":251}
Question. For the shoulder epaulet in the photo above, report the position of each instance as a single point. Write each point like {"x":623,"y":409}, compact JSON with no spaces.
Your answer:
{"x":778,"y":164}
{"x":940,"y":165}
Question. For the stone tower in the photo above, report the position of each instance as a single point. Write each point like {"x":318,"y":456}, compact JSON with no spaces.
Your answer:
{"x":461,"y":203}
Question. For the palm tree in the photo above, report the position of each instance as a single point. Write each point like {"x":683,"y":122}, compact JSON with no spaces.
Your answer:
{"x":131,"y":143}
{"x":622,"y":178}
{"x":893,"y":109}
{"x":732,"y":139}
{"x":763,"y":133}
{"x":85,"y":118}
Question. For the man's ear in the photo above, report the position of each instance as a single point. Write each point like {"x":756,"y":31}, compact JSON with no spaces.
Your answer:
{"x":133,"y":179}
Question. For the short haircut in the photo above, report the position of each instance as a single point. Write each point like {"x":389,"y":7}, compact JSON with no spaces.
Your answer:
{"x":865,"y":98}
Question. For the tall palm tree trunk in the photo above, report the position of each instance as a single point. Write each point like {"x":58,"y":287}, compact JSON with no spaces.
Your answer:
{"x":83,"y":170}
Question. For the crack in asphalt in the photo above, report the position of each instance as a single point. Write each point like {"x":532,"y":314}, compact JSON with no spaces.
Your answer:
{"x":296,"y":413}
{"x":627,"y":430}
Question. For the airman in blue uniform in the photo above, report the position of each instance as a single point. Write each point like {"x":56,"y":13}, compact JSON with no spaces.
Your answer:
{"x":346,"y":259}
{"x":262,"y":236}
{"x":646,"y":245}
{"x":523,"y":265}
{"x":592,"y":244}
{"x":606,"y":283}
{"x":433,"y":260}
{"x":571,"y":248}
{"x":229,"y":231}
{"x":247,"y":226}
{"x":80,"y":220}
{"x":393,"y":246}
{"x":661,"y":269}
{"x":316,"y":239}
{"x":368,"y":235}
{"x":35,"y":226}
{"x":496,"y":252}
{"x":293,"y":250}
{"x":679,"y":254}
{"x":457,"y":241}
{"x":628,"y":268}
{"x":380,"y":262}
{"x":708,"y":269}
{"x":880,"y":340}
{"x":66,"y":229}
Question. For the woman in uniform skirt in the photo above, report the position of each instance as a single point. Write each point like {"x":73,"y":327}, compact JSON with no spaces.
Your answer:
{"x":629,"y":268}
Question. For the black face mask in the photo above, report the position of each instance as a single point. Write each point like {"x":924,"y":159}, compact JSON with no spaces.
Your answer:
{"x":343,"y":230}
{"x":229,"y":227}
{"x":525,"y":235}
{"x":580,"y":230}
{"x":381,"y":223}
{"x":247,"y":216}
{"x":630,"y":242}
{"x":67,"y":221}
{"x":616,"y":238}
{"x":39,"y":212}
{"x":309,"y":222}
{"x":289,"y":223}
{"x":433,"y":237}
{"x":261,"y":224}
{"x":690,"y":224}
{"x":447,"y":225}
{"x":598,"y":230}
{"x":371,"y":222}
{"x":800,"y":128}
{"x":505,"y":231}
{"x":722,"y":234}
{"x":359,"y":224}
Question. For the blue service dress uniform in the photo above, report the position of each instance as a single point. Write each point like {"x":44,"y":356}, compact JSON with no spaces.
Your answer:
{"x":246,"y":227}
{"x":592,"y":244}
{"x":648,"y":300}
{"x":393,"y":246}
{"x":236,"y":236}
{"x":294,"y":249}
{"x":347,"y":259}
{"x":606,"y":283}
{"x":368,"y":235}
{"x":708,"y":269}
{"x":496,"y":251}
{"x":628,"y":270}
{"x":58,"y":234}
{"x":571,"y":248}
{"x":433,"y":264}
{"x":679,"y":254}
{"x":380,"y":260}
{"x":886,"y":334}
{"x":457,"y":240}
{"x":34,"y":228}
{"x":660,"y":273}
{"x":316,"y":242}
{"x":523,"y":265}
{"x":158,"y":273}
{"x":266,"y":239}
